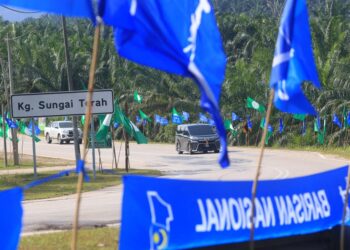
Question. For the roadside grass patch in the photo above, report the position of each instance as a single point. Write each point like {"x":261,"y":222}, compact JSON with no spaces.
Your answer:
{"x":66,"y":185}
{"x":106,"y":238}
{"x":26,"y":161}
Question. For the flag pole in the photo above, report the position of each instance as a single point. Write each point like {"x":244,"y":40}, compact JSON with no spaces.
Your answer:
{"x":86,"y":130}
{"x":345,"y":206}
{"x":258,"y":169}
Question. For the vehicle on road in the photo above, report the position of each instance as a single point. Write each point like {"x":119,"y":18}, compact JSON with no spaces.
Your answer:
{"x":62,"y":131}
{"x":196,"y":138}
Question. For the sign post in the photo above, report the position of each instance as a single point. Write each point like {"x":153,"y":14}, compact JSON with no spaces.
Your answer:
{"x":33,"y":144}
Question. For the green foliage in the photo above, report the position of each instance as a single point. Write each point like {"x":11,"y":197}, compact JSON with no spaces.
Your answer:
{"x":249,"y":31}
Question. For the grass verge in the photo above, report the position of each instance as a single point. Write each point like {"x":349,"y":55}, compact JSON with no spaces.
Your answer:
{"x":88,"y":239}
{"x":67,"y":184}
{"x":26,"y":161}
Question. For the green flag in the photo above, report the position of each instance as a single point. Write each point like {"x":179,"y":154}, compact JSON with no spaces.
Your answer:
{"x":137,"y":97}
{"x":268,"y":136}
{"x":228,"y":125}
{"x":262,"y":123}
{"x":316,"y":128}
{"x":254,"y":105}
{"x":104,"y":128}
{"x":129,"y":127}
{"x":144,"y":116}
{"x":82,"y":120}
{"x":299,"y":117}
{"x":23,"y":129}
{"x":345,"y":118}
{"x":174,"y":112}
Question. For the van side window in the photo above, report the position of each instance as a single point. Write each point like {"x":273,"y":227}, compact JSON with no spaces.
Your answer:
{"x":186,"y":133}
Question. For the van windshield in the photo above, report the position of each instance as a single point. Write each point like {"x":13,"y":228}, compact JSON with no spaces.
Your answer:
{"x":201,"y":130}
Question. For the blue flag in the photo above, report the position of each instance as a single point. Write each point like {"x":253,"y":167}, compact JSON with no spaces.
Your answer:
{"x":203,"y":118}
{"x":76,"y":8}
{"x":11,"y":218}
{"x":336,"y":121}
{"x":179,"y":37}
{"x":348,"y":119}
{"x":211,"y":122}
{"x":176,"y":119}
{"x":185,"y":116}
{"x":281,"y":127}
{"x":115,"y":125}
{"x":10,"y":123}
{"x":163,"y":121}
{"x":293,"y":61}
{"x":137,"y":119}
{"x":234,"y":117}
{"x":37,"y":130}
{"x":157,"y":118}
{"x":249,"y":123}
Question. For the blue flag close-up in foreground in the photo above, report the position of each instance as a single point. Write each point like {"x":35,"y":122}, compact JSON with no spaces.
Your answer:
{"x":160,"y":213}
{"x":179,"y":37}
{"x":10,"y":218}
{"x":293,"y":61}
{"x":76,"y":8}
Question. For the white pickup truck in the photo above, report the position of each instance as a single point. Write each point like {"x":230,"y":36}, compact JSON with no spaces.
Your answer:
{"x":62,"y":131}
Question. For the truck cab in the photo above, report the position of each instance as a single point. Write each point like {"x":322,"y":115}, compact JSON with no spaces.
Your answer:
{"x":62,"y":131}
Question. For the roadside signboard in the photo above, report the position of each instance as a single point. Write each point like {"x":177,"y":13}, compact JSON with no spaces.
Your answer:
{"x":60,"y":103}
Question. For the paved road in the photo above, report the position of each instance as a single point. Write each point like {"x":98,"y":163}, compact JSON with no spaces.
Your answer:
{"x":103,"y":207}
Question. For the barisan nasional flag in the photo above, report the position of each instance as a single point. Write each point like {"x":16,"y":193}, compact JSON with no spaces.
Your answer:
{"x":336,"y":121}
{"x":157,"y":118}
{"x":11,"y":123}
{"x":185,"y":116}
{"x":281,"y":126}
{"x":176,"y":118}
{"x":179,"y":37}
{"x":76,"y":8}
{"x":11,"y":218}
{"x":203,"y":118}
{"x":234,"y":117}
{"x":293,"y":61}
{"x":104,"y":128}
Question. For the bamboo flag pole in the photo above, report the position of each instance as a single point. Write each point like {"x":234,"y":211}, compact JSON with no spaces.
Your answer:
{"x":345,"y":206}
{"x":86,"y":130}
{"x":258,"y":169}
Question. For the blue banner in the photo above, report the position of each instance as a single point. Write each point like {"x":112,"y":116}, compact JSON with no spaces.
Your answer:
{"x":10,"y":218}
{"x":177,"y":214}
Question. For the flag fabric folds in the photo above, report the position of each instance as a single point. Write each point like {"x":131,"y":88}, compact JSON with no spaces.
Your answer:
{"x":137,"y":97}
{"x":76,"y":8}
{"x":163,"y":121}
{"x":129,"y":126}
{"x":348,"y":119}
{"x":293,"y":60}
{"x":281,"y":126}
{"x":10,"y":123}
{"x":179,"y":37}
{"x":23,"y":129}
{"x":254,"y":105}
{"x":203,"y":118}
{"x":11,"y":218}
{"x":299,"y":117}
{"x":36,"y":128}
{"x":176,"y":118}
{"x":185,"y":116}
{"x":144,"y":116}
{"x":234,"y":117}
{"x":104,"y":128}
{"x":249,"y":124}
{"x":336,"y":121}
{"x":157,"y":118}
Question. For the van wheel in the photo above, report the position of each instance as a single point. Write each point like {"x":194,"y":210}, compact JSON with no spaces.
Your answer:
{"x":190,"y":149}
{"x":178,"y":148}
{"x":47,"y":138}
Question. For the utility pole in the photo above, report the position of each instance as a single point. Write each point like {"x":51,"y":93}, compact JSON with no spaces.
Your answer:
{"x":3,"y":129}
{"x":127,"y":163}
{"x":70,"y":88}
{"x":13,"y":131}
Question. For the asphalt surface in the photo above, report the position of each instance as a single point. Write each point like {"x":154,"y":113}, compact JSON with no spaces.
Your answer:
{"x":103,"y":207}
